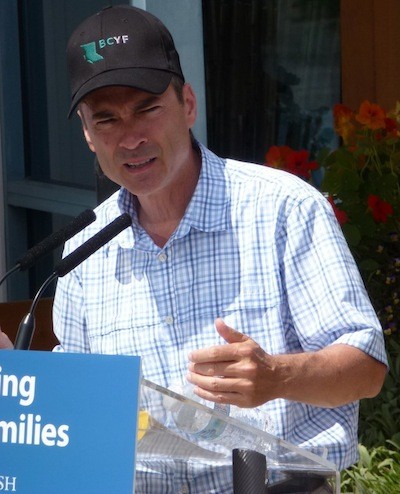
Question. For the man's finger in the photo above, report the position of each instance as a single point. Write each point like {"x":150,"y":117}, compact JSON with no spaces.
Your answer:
{"x":5,"y":341}
{"x":220,"y":353}
{"x":229,"y":334}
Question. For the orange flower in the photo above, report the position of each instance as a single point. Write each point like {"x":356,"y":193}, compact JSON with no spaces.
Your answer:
{"x":277,"y":156}
{"x":343,"y":125}
{"x":371,"y":115}
{"x":379,"y":208}
{"x":341,"y":215}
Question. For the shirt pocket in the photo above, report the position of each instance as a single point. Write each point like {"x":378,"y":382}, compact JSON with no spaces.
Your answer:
{"x":263,"y":317}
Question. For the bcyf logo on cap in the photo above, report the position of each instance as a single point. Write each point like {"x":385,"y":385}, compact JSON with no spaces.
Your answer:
{"x":90,"y":49}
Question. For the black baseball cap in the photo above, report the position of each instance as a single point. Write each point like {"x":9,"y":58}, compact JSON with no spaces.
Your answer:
{"x":121,"y":46}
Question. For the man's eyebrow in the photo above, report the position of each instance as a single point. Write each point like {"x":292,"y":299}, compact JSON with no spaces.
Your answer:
{"x":140,"y":105}
{"x":101,"y":115}
{"x":148,"y":101}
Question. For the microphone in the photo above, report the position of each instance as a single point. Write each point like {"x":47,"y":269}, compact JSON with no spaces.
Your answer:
{"x":52,"y":242}
{"x":94,"y":243}
{"x":27,"y":326}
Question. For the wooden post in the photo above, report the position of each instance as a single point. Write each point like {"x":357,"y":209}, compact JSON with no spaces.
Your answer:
{"x":11,"y":314}
{"x":370,"y":33}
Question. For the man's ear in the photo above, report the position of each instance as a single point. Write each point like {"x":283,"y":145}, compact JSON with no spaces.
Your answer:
{"x":85,"y":131}
{"x":190,"y":104}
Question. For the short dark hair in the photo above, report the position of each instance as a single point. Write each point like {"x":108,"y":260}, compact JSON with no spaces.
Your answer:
{"x":177,"y":83}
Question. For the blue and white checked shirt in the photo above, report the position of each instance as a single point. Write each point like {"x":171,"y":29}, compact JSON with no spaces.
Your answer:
{"x":259,"y":248}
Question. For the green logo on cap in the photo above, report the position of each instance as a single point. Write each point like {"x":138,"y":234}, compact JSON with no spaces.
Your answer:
{"x":91,"y":54}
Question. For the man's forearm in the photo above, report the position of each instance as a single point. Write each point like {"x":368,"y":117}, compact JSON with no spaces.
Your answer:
{"x":331,"y":377}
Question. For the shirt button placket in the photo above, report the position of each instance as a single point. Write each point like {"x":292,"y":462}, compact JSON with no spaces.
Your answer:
{"x":162,"y":257}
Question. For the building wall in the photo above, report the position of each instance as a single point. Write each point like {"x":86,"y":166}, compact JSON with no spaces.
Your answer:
{"x":370,"y":37}
{"x":183,"y":18}
{"x":370,"y":55}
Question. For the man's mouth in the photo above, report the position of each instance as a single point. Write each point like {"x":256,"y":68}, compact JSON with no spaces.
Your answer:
{"x":134,"y":166}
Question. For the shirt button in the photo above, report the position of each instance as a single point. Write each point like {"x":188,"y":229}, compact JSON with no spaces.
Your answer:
{"x":169,"y":319}
{"x":162,"y":257}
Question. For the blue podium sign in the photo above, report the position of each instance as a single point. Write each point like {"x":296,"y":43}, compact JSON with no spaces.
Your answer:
{"x":68,"y":422}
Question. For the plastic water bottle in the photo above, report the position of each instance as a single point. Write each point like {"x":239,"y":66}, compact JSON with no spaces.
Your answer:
{"x":202,"y":425}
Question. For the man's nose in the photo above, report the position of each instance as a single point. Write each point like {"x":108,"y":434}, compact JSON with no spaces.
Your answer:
{"x":132,"y":136}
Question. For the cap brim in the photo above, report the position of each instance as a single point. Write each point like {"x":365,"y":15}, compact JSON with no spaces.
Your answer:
{"x":150,"y":80}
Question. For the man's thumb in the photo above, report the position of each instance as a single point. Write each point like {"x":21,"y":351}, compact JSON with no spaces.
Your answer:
{"x":229,"y":334}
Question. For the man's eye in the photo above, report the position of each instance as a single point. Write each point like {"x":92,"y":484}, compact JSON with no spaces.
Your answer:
{"x":151,"y":109}
{"x":105,"y":121}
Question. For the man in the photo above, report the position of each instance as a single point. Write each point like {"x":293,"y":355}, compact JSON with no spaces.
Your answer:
{"x":5,"y":341}
{"x":233,"y":276}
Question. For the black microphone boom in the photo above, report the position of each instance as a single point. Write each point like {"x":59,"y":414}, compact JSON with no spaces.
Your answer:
{"x":56,"y":239}
{"x":27,"y":327}
{"x":52,"y":242}
{"x":94,"y":243}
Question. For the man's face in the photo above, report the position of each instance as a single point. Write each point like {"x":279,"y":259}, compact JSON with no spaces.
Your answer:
{"x":141,"y":140}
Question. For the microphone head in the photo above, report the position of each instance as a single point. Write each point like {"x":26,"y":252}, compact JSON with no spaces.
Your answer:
{"x":56,"y":239}
{"x":94,"y":243}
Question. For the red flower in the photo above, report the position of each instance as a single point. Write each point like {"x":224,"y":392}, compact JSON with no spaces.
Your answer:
{"x":341,"y":215}
{"x":390,"y":130}
{"x":286,"y":158}
{"x":298,"y":164}
{"x":379,"y":208}
{"x":391,"y":126}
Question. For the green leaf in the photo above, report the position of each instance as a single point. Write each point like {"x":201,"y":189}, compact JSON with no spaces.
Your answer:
{"x":352,"y":234}
{"x":368,"y":265}
{"x":385,"y":187}
{"x":365,"y":457}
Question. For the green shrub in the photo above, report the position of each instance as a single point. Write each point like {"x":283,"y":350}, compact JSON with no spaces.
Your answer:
{"x":380,"y":416}
{"x":376,"y":472}
{"x":378,"y":469}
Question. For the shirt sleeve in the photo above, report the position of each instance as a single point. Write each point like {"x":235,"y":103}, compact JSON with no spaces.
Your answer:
{"x":326,"y":295}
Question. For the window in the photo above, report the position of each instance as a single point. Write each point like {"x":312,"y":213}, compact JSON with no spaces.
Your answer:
{"x":48,"y":176}
{"x":272,"y":74}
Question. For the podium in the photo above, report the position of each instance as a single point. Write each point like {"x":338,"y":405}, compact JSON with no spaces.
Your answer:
{"x":59,"y":408}
{"x":289,"y":469}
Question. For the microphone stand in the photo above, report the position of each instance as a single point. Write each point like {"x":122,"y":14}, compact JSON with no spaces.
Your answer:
{"x":9,"y":273}
{"x":249,"y":472}
{"x":26,"y":328}
{"x":71,"y":261}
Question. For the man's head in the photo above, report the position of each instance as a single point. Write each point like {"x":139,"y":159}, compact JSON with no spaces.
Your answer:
{"x":121,"y":46}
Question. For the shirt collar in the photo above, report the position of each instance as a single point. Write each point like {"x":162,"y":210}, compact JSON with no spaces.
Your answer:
{"x":207,"y":210}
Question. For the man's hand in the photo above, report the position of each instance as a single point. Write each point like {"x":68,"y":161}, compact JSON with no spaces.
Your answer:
{"x":239,"y":373}
{"x":5,"y":342}
{"x":242,"y":373}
